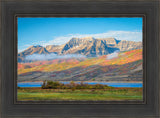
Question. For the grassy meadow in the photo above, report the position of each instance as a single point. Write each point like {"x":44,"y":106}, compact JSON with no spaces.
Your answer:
{"x":39,"y":94}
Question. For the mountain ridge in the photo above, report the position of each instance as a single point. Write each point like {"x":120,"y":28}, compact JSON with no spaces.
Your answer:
{"x":88,"y":46}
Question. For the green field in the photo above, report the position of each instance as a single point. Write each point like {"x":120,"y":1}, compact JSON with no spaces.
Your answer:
{"x":38,"y":94}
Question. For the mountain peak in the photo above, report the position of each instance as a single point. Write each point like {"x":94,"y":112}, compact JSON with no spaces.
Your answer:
{"x":35,"y":46}
{"x":88,"y":38}
{"x":83,"y":38}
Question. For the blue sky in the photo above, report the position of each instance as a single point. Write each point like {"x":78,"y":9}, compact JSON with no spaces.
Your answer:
{"x":50,"y":31}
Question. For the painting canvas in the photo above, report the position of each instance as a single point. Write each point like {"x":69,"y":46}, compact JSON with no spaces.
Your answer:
{"x":80,"y":58}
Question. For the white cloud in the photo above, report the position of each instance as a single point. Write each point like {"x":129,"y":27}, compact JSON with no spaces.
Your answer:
{"x":119,"y":35}
{"x":113,"y":55}
{"x":52,"y":56}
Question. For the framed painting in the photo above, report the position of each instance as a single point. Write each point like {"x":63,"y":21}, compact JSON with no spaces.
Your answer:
{"x":80,"y":59}
{"x":92,"y":62}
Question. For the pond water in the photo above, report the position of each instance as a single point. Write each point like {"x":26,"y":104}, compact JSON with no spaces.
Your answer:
{"x":113,"y":84}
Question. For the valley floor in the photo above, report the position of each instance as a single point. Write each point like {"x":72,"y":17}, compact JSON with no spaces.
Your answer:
{"x":38,"y":94}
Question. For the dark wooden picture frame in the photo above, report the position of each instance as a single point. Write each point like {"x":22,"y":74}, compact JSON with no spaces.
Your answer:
{"x":149,"y":11}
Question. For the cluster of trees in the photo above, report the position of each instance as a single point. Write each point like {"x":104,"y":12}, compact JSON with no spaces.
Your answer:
{"x":71,"y":85}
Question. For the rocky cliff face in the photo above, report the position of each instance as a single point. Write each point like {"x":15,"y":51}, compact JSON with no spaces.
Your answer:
{"x":50,"y":48}
{"x":54,"y":48}
{"x":110,"y":42}
{"x":129,"y":45}
{"x":88,"y":46}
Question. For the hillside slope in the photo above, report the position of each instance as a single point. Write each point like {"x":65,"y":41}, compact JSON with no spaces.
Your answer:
{"x":126,"y":66}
